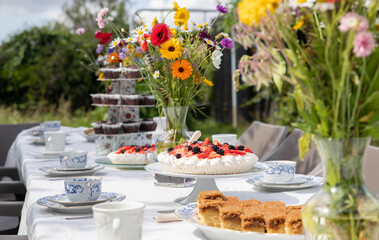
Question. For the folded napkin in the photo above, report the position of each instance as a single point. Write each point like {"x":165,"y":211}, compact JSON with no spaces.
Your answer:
{"x":166,"y":217}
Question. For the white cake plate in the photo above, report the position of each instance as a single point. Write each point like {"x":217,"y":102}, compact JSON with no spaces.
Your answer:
{"x":203,"y":182}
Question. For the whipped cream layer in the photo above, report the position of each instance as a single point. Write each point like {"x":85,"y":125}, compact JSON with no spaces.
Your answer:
{"x":192,"y":165}
{"x":129,"y":158}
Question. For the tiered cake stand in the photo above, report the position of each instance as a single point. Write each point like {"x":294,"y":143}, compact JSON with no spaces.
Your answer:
{"x":118,"y":113}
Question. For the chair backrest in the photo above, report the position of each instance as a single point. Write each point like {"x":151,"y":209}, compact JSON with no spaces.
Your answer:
{"x":8,"y":133}
{"x":371,"y":168}
{"x":289,"y":150}
{"x":262,"y":138}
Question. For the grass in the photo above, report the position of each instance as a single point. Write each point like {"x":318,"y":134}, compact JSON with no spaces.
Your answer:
{"x":82,"y":118}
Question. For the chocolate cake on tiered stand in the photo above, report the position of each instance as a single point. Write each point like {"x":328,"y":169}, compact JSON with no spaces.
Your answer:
{"x":124,"y":126}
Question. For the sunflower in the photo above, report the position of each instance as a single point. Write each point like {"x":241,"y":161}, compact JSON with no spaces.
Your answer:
{"x":181,"y":69}
{"x":172,"y":49}
{"x":181,"y":17}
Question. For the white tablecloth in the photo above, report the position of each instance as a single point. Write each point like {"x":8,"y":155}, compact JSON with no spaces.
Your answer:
{"x":38,"y":222}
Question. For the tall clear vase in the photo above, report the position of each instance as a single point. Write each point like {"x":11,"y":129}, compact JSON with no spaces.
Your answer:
{"x":176,"y":133}
{"x":343,"y":209}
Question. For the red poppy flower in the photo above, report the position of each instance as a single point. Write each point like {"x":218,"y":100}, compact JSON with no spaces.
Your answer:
{"x":160,"y":33}
{"x":104,"y":38}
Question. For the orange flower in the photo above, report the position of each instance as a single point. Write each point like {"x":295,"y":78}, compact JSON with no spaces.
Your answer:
{"x":113,"y":58}
{"x":181,"y":69}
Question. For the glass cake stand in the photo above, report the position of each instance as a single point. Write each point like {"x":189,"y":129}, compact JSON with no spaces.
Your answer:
{"x":203,"y":182}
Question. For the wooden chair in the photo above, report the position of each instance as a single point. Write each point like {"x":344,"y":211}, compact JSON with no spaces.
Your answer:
{"x":262,"y":138}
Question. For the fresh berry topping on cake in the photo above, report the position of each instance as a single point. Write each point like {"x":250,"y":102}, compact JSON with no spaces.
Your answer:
{"x":178,"y":155}
{"x":196,"y":150}
{"x":135,"y":149}
{"x":189,"y":148}
{"x":215,"y":148}
{"x":221,"y":152}
{"x":241,"y":147}
{"x":170,"y":149}
{"x":138,"y":149}
{"x":232,"y":147}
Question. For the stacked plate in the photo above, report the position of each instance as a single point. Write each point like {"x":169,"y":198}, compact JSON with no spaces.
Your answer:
{"x":59,"y":171}
{"x":299,"y":181}
{"x":61,"y":203}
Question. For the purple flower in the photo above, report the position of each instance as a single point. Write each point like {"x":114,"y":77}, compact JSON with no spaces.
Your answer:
{"x":138,"y":50}
{"x":364,"y":44}
{"x":353,"y":21}
{"x":222,"y":9}
{"x":121,"y":55}
{"x":204,"y":34}
{"x":227,"y":43}
{"x":123,"y":50}
{"x":99,"y":48}
{"x":110,"y":50}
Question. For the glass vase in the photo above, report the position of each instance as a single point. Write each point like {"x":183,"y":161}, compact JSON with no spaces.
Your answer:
{"x":175,"y":134}
{"x":343,"y":209}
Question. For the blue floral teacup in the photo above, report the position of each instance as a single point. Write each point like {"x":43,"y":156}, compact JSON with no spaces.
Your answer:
{"x":75,"y":159}
{"x":80,"y":189}
{"x":280,"y":171}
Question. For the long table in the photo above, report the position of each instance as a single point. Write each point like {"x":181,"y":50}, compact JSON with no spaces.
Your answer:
{"x":39,"y":222}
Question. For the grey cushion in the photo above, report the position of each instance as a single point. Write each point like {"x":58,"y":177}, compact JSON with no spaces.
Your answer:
{"x":289,"y":150}
{"x":262,"y":138}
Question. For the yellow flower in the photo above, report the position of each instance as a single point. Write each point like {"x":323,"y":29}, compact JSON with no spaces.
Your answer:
{"x":139,"y":80}
{"x":172,"y":49}
{"x":301,"y":1}
{"x":251,"y":11}
{"x":181,"y":69}
{"x":181,"y":17}
{"x":185,"y":28}
{"x":298,"y":25}
{"x":200,"y":26}
{"x":176,"y":6}
{"x":173,"y":31}
{"x":206,"y":81}
{"x":155,"y":21}
{"x":205,"y":24}
{"x":101,"y":76}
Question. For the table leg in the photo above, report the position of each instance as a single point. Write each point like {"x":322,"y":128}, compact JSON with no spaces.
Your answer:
{"x":202,"y":184}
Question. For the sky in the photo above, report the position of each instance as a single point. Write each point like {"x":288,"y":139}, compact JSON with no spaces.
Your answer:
{"x":18,"y":15}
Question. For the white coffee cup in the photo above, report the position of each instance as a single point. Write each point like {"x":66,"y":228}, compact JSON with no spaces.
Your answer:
{"x":119,"y":220}
{"x":225,"y":138}
{"x":280,"y":171}
{"x":74,"y":159}
{"x":55,"y":140}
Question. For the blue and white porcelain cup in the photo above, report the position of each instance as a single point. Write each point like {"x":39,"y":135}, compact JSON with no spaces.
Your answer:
{"x":80,"y":189}
{"x":50,"y":126}
{"x":280,"y":171}
{"x":74,"y":159}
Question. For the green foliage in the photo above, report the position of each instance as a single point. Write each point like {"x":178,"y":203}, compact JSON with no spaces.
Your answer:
{"x":40,"y":65}
{"x":230,"y":18}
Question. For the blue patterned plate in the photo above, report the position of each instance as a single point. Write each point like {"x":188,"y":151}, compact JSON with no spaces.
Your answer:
{"x":73,"y":209}
{"x":62,"y":199}
{"x":311,"y":182}
{"x":188,"y":214}
{"x":297,"y":179}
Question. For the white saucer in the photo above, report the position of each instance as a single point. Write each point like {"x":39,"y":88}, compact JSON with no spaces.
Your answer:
{"x":73,"y":209}
{"x":297,"y":179}
{"x":62,"y":199}
{"x":311,"y":182}
{"x":46,"y":152}
{"x":54,"y":173}
{"x":88,"y":167}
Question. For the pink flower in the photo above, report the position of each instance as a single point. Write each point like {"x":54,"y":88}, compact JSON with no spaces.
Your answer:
{"x":80,"y":31}
{"x":364,"y":44}
{"x":353,"y":21}
{"x":100,"y":16}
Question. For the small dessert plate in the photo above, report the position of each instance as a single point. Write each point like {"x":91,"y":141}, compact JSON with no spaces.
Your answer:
{"x":313,"y":181}
{"x":62,"y":199}
{"x":38,"y":141}
{"x":88,"y":167}
{"x":298,"y":179}
{"x":55,"y":173}
{"x":46,"y":152}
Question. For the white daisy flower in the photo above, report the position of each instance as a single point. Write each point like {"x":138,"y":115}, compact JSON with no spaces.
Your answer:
{"x":156,"y":74}
{"x":225,"y":35}
{"x":209,"y":42}
{"x":216,"y":58}
{"x":131,"y":40}
{"x":141,"y":30}
{"x":114,"y":43}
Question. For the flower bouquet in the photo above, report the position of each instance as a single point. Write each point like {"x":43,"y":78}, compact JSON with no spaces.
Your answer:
{"x":329,"y":50}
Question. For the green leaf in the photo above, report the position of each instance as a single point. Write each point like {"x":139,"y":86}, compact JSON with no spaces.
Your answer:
{"x":304,"y":145}
{"x":299,"y":98}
